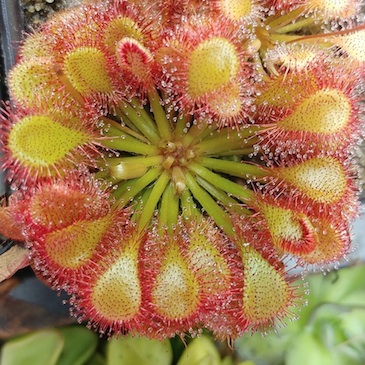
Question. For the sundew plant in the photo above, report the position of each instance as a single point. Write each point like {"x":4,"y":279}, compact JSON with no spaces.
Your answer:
{"x":169,"y":158}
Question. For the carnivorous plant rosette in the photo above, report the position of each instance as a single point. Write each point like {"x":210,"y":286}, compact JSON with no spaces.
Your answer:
{"x":168,"y":158}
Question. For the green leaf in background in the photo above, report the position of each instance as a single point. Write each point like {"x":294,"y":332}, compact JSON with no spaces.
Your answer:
{"x":354,"y":324}
{"x":80,"y":344}
{"x":37,"y":348}
{"x":264,"y":350}
{"x":96,"y":359}
{"x":200,"y":351}
{"x":138,"y":350}
{"x":338,"y":286}
{"x":227,"y":361}
{"x":306,"y":349}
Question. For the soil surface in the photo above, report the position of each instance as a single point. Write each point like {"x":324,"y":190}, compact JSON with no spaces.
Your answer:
{"x":37,"y":11}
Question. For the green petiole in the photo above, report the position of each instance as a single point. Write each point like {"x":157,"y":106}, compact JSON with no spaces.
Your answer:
{"x":141,"y":120}
{"x":169,"y":208}
{"x":220,"y":217}
{"x":232,"y":204}
{"x":163,"y":125}
{"x":233,"y":168}
{"x":128,"y":143}
{"x":220,"y":182}
{"x":128,"y":190}
{"x":151,"y":203}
